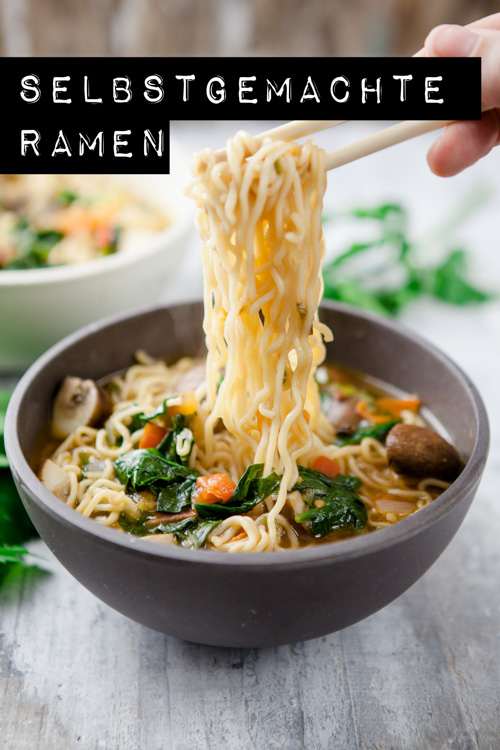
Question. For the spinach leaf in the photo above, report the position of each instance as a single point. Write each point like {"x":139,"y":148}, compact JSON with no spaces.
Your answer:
{"x":141,"y":419}
{"x":198,"y":534}
{"x":168,"y":446}
{"x":343,"y":508}
{"x":146,"y":466}
{"x":377,"y":431}
{"x":139,"y":528}
{"x":250,"y":490}
{"x":66,"y":197}
{"x":321,"y":483}
{"x":33,"y":246}
{"x":175,"y":497}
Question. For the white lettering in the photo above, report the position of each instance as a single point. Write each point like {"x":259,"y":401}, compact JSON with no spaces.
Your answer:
{"x":154,"y":83}
{"x":62,"y":146}
{"x":402,"y":82}
{"x":365,"y":90}
{"x":122,"y":83}
{"x":56,"y":89}
{"x":220,"y":94}
{"x":185,"y":86}
{"x":31,"y":83}
{"x":30,"y":138}
{"x":244,"y":89}
{"x":429,"y":89}
{"x":313,"y":93}
{"x":150,"y":141}
{"x":119,"y":143}
{"x":345,"y":81}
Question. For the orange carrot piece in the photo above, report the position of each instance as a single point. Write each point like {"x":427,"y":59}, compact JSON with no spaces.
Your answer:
{"x":326,"y":466}
{"x":239,"y":536}
{"x":363,"y":411}
{"x":213,"y":488}
{"x":152,"y":436}
{"x":396,"y":405}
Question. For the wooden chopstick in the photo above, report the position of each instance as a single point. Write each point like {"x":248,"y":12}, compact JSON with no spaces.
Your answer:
{"x":289,"y":132}
{"x":403,"y":131}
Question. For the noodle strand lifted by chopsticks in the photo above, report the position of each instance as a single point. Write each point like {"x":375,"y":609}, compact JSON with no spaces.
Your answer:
{"x":259,"y":219}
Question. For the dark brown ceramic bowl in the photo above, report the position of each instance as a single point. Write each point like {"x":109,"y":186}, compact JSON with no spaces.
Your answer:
{"x":256,"y":599}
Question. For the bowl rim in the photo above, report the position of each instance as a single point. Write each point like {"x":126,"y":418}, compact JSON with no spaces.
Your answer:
{"x":315,"y":555}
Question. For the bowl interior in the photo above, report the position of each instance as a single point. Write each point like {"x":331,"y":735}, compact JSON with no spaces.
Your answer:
{"x":373,"y":346}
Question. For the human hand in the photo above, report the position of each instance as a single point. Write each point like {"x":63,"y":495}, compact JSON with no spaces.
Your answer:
{"x":463,"y":143}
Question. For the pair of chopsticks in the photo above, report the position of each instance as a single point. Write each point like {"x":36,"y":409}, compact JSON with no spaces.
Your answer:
{"x":403,"y":131}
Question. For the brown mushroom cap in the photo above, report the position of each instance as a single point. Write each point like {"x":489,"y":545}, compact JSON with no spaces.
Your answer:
{"x":421,"y":452}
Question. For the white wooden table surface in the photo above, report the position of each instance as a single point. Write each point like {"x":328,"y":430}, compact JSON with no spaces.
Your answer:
{"x":423,"y":674}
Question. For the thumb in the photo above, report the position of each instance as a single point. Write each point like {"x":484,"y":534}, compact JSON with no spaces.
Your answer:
{"x":459,"y":41}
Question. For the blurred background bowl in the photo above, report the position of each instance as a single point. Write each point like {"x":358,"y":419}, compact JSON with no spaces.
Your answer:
{"x":40,"y":306}
{"x":260,"y":599}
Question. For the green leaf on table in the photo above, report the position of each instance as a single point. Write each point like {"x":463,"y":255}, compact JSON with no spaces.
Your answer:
{"x":450,"y":282}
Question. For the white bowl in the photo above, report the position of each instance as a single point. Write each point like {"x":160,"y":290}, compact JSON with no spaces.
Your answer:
{"x":38,"y":307}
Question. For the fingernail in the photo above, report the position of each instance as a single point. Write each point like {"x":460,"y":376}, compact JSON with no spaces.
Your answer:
{"x":454,"y":41}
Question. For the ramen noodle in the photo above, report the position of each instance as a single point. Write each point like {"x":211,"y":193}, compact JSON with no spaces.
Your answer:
{"x":247,"y":452}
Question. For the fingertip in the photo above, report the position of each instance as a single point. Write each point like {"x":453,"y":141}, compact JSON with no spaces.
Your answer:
{"x":451,"y":40}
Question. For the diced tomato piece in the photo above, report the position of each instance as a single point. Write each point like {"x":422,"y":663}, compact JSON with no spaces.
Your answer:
{"x":214,"y":488}
{"x":326,"y":466}
{"x":152,"y":436}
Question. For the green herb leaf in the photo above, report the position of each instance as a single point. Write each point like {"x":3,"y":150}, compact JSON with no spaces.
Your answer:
{"x":12,"y":554}
{"x":387,"y":286}
{"x":450,"y":283}
{"x":343,"y":509}
{"x":377,"y":431}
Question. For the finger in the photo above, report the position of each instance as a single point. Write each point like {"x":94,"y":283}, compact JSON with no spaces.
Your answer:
{"x":459,"y":41}
{"x":490,"y":22}
{"x":464,"y":143}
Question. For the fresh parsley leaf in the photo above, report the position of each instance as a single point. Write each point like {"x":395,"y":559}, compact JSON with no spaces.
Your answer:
{"x":450,"y":283}
{"x":393,"y":275}
{"x":12,"y":554}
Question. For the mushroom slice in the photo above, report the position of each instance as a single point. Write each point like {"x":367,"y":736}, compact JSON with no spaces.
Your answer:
{"x":78,"y":402}
{"x":55,"y":479}
{"x":421,"y":452}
